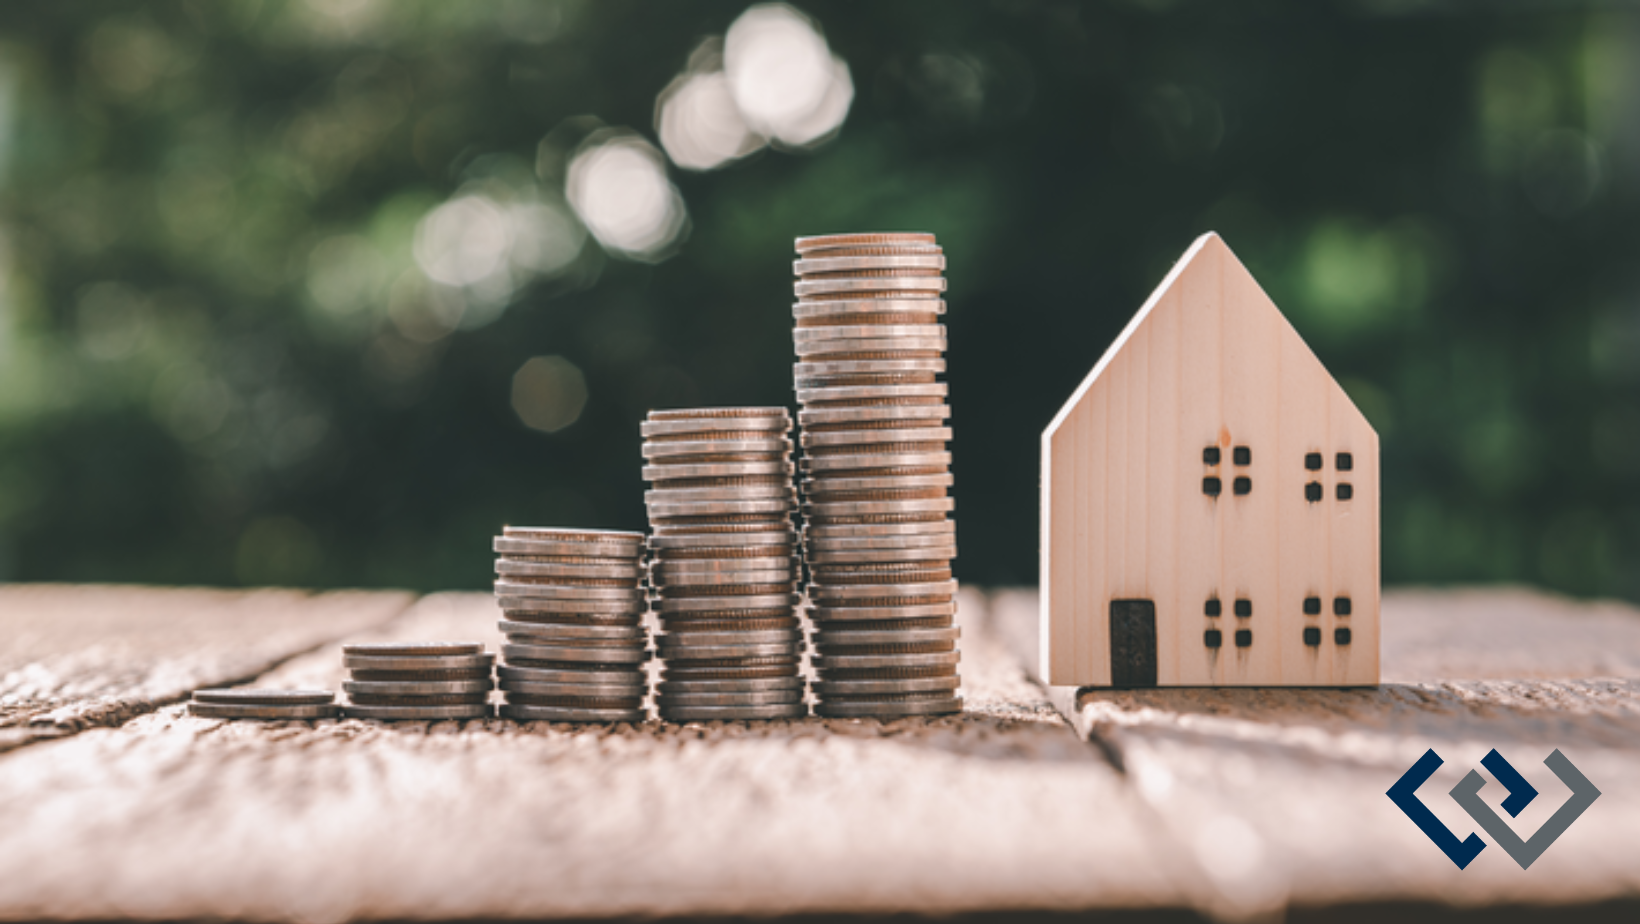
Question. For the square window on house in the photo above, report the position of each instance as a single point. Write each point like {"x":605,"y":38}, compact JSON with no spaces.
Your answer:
{"x":1312,"y":636}
{"x":1244,"y":638}
{"x":1344,"y":461}
{"x":1341,"y":606}
{"x":1213,"y":607}
{"x":1242,"y":455}
{"x":1312,"y":606}
{"x":1341,"y":636}
{"x":1210,"y":455}
{"x":1213,"y":638}
{"x":1345,"y":492}
{"x":1243,"y":485}
{"x":1312,"y":461}
{"x":1212,"y":487}
{"x":1244,"y":608}
{"x":1312,"y":492}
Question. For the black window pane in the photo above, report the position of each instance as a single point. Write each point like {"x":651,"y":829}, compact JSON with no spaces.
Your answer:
{"x":1345,"y":492}
{"x":1312,"y":461}
{"x":1212,"y":486}
{"x":1210,"y":455}
{"x":1312,"y":606}
{"x":1312,"y":491}
{"x":1242,"y":455}
{"x":1312,"y":635}
{"x":1341,"y":636}
{"x":1244,"y":608}
{"x":1345,"y":462}
{"x":1213,"y":608}
{"x":1244,"y":638}
{"x":1213,"y":638}
{"x":1341,"y":606}
{"x":1244,"y":485}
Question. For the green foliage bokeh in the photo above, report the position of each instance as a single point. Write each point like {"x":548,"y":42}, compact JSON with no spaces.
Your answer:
{"x":208,"y":209}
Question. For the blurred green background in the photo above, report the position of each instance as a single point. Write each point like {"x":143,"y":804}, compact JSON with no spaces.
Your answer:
{"x":304,"y":292}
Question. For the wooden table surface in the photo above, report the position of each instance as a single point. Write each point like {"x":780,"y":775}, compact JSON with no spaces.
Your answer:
{"x":1164,"y":804}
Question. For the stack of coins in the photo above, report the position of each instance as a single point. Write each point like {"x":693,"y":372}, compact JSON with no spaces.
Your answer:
{"x":266,"y":705}
{"x":725,"y":565}
{"x":422,"y":681}
{"x":572,"y":604}
{"x":878,"y":537}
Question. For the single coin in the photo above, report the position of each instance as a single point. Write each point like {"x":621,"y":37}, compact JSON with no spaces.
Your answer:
{"x":588,"y":690}
{"x":608,"y":654}
{"x":523,"y":631}
{"x":758,"y":672}
{"x":570,"y":714}
{"x":825,"y":688}
{"x":839,"y":350}
{"x":671,"y":701}
{"x":677,"y":471}
{"x":727,"y":652}
{"x":884,"y":262}
{"x":912,"y":303}
{"x":833,"y":509}
{"x":291,"y":713}
{"x":418,"y":699}
{"x":866,"y":437}
{"x":632,"y":596}
{"x":627,"y":571}
{"x":250,"y":696}
{"x":836,"y":393}
{"x":844,"y":614}
{"x":547,"y":609}
{"x":895,"y":332}
{"x":888,"y":710}
{"x":848,"y":483}
{"x":726,"y":603}
{"x":782,"y":489}
{"x":872,"y":662}
{"x":822,"y":466}
{"x":659,"y":450}
{"x":675,"y":581}
{"x":732,"y":686}
{"x":723,"y":566}
{"x":513,"y":673}
{"x":476,"y":673}
{"x":420,"y":713}
{"x":438,"y":663}
{"x":772,"y":423}
{"x":809,"y":288}
{"x":414,"y":649}
{"x":699,"y":639}
{"x":862,"y":239}
{"x":843,"y":636}
{"x":838,"y":417}
{"x":416,"y":687}
{"x":578,"y":701}
{"x":796,"y":710}
{"x":663,"y":543}
{"x":820,"y":369}
{"x":614,"y":551}
{"x":879,"y":556}
{"x":852,"y":591}
{"x":667,"y":509}
{"x":715,"y":413}
{"x":943,"y":529}
{"x":933,"y":542}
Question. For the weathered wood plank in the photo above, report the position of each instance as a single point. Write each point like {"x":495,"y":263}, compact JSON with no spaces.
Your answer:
{"x":1276,"y":797}
{"x":73,"y":657}
{"x":1001,"y":807}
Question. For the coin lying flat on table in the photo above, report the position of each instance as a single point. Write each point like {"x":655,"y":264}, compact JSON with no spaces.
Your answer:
{"x":264,"y":704}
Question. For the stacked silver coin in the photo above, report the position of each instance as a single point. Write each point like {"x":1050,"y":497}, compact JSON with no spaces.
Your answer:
{"x":724,"y":567}
{"x":572,"y":604}
{"x":420,"y":681}
{"x":878,"y":535}
{"x":265,"y":705}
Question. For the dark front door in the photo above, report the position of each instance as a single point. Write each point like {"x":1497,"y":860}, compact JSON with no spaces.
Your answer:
{"x":1132,"y":643}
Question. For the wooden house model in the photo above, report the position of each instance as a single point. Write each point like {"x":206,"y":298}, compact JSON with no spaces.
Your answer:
{"x":1209,"y":502}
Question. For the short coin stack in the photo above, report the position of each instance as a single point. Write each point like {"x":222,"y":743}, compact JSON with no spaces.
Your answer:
{"x":418,"y":681}
{"x":725,"y":563}
{"x":266,"y":705}
{"x":875,"y":432}
{"x":572,"y":603}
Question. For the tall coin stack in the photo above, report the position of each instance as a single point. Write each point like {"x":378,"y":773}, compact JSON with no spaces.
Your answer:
{"x":420,"y":681}
{"x":725,"y":565}
{"x":572,"y":604}
{"x":878,"y":538}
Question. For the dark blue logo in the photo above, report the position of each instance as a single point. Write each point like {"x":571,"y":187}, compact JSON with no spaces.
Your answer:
{"x":1467,"y":793}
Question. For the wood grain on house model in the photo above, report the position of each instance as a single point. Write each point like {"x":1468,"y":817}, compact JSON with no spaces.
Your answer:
{"x":1210,"y":462}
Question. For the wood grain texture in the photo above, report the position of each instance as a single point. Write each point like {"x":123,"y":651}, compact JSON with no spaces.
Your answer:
{"x":1275,"y":797}
{"x":189,"y":818}
{"x":73,"y":657}
{"x":1209,"y":362}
